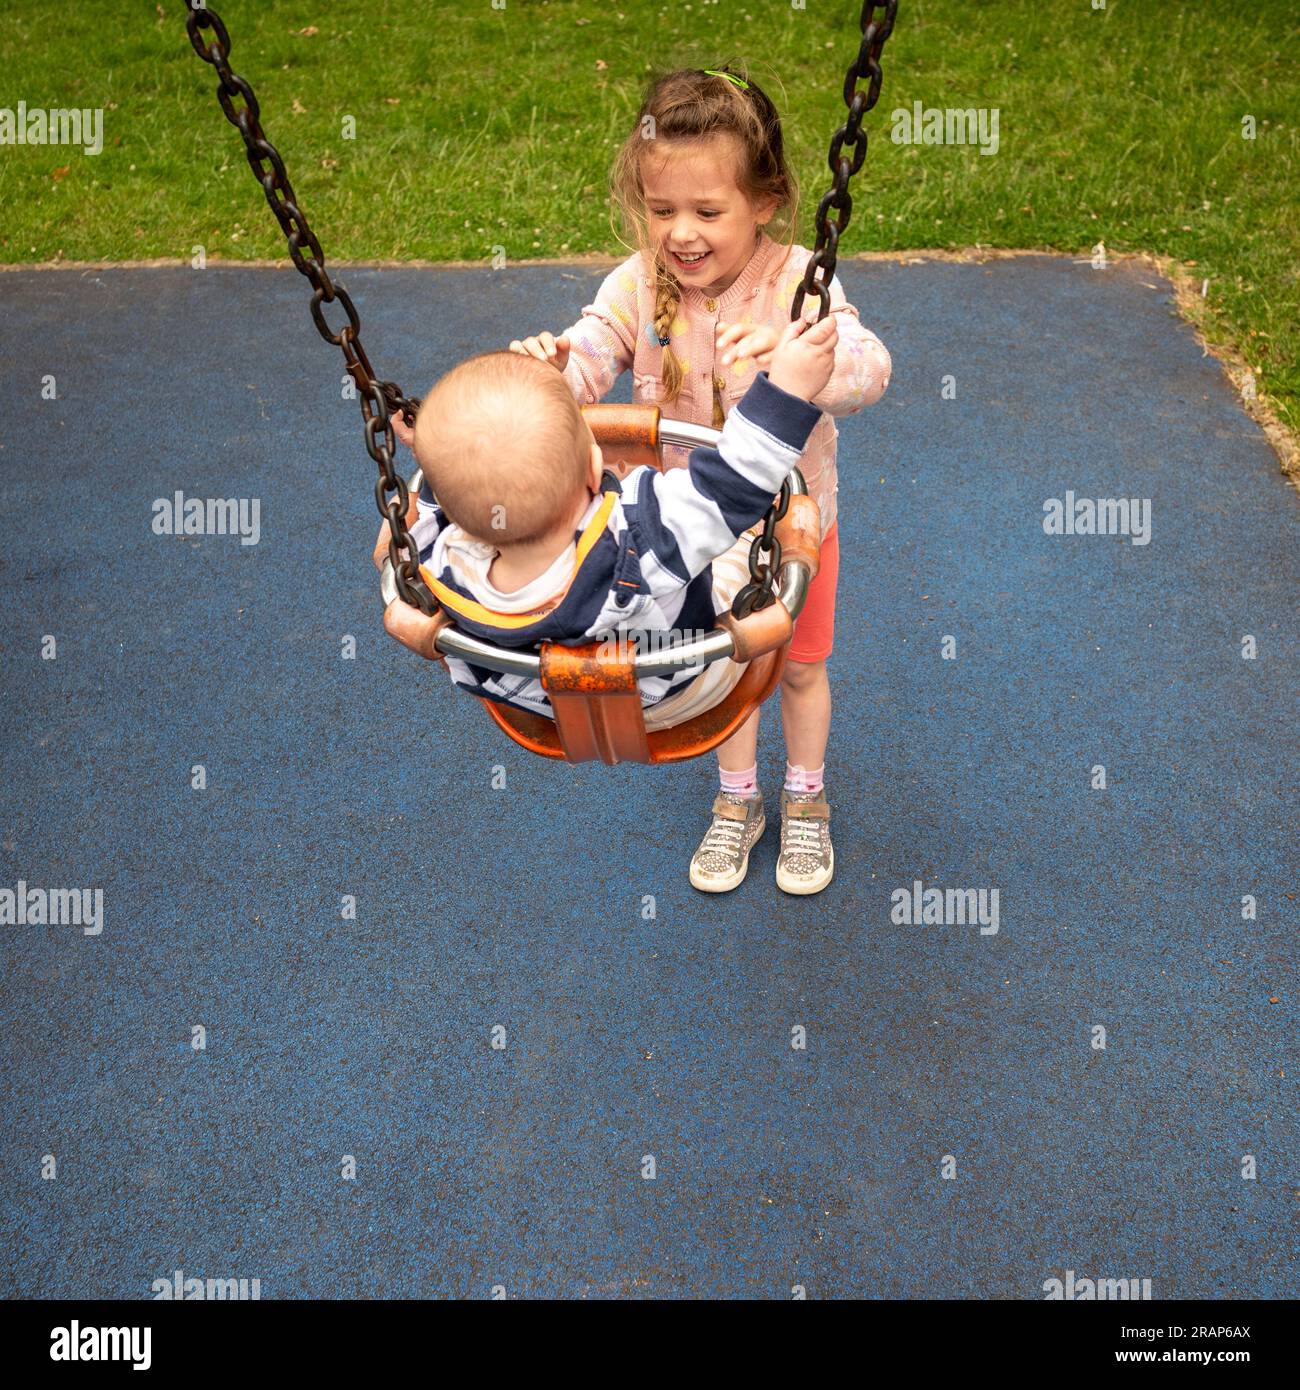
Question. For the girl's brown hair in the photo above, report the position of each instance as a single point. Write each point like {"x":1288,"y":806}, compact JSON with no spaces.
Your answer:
{"x":688,"y":106}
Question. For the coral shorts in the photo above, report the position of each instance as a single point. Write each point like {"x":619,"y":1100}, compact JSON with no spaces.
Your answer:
{"x":814,"y":633}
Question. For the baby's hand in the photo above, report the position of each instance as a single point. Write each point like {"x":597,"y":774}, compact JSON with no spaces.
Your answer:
{"x":804,"y":357}
{"x":545,"y":348}
{"x":747,"y":340}
{"x":405,"y":434}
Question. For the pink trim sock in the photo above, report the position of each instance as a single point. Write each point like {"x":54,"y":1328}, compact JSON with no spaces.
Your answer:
{"x":740,"y":783}
{"x":804,"y":780}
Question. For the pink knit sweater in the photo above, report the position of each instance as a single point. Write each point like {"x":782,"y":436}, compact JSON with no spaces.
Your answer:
{"x":617,"y":333}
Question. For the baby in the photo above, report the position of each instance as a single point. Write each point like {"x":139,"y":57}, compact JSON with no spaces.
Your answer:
{"x":530,"y":538}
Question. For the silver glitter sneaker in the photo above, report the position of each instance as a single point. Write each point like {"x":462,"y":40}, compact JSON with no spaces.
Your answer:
{"x":806,"y":863}
{"x":722,"y":860}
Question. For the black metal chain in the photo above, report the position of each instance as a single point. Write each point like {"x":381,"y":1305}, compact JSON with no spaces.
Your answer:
{"x":379,"y":399}
{"x":762,"y":573}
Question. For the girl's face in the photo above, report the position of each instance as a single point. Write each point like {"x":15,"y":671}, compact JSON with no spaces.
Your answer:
{"x":694,"y":207}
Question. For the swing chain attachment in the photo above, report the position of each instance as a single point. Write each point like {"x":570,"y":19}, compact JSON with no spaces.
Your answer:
{"x":380,"y":400}
{"x":874,"y":33}
{"x":758,"y":593}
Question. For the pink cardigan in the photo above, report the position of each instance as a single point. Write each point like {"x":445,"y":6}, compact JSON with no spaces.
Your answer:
{"x":617,"y":333}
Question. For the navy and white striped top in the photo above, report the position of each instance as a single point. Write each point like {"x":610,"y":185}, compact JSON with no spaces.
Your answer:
{"x":642,"y":552}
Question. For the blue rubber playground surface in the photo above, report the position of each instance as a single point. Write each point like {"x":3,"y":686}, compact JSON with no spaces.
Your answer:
{"x":523,"y":907}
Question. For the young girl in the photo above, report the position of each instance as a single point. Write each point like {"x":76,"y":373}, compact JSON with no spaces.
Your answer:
{"x":694,"y":314}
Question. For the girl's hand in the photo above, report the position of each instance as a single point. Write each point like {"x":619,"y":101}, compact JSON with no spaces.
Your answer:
{"x":545,"y":348}
{"x":737,"y":340}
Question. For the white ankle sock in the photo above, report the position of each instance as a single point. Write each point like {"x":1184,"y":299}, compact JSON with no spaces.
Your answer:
{"x":739,"y":783}
{"x":803,"y":780}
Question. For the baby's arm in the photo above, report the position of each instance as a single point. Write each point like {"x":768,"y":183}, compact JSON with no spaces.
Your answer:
{"x":684,"y":518}
{"x":862,"y":363}
{"x":602,"y":342}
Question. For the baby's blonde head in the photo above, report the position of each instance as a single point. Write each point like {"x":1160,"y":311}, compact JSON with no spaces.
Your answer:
{"x":502,"y":442}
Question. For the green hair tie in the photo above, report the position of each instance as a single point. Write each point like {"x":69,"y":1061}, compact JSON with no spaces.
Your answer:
{"x":735,"y":81}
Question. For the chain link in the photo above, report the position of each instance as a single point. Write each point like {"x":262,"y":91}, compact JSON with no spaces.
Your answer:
{"x":765,"y":552}
{"x":380,"y":400}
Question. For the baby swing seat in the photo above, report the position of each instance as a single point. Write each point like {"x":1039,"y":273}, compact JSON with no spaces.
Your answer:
{"x":593,"y":691}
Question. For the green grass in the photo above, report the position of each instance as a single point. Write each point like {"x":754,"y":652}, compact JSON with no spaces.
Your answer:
{"x":479,"y":128}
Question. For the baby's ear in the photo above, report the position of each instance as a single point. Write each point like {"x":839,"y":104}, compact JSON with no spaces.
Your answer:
{"x":597,"y":466}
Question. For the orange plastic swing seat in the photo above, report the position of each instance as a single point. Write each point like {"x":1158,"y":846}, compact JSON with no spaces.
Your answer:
{"x":604,"y":719}
{"x":597,"y":706}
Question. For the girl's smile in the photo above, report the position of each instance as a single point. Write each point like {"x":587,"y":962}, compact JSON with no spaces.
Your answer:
{"x":689,"y":265}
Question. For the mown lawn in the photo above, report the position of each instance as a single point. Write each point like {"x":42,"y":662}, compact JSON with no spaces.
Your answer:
{"x":479,"y":127}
